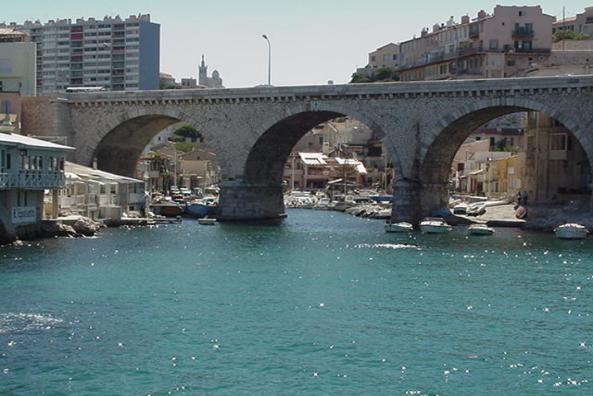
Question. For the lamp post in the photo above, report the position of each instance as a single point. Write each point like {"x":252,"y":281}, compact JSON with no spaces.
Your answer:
{"x":269,"y":59}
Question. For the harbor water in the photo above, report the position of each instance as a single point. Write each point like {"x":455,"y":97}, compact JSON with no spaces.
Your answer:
{"x":322,"y":303}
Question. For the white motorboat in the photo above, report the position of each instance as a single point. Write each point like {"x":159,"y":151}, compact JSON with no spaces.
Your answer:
{"x":399,"y":227}
{"x":480,"y":229}
{"x":571,"y":231}
{"x":434,"y":225}
{"x":207,"y":221}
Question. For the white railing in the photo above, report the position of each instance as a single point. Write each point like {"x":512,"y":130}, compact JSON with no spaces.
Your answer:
{"x":32,"y":179}
{"x":3,"y":180}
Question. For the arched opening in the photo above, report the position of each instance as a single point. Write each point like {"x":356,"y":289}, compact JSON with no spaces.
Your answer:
{"x":265,"y":180}
{"x":119,"y":151}
{"x":547,"y":164}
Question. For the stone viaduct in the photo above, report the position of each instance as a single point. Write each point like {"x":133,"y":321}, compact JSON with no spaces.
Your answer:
{"x":253,"y":130}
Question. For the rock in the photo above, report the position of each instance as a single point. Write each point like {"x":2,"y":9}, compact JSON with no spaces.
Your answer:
{"x":50,"y":229}
{"x":86,"y":227}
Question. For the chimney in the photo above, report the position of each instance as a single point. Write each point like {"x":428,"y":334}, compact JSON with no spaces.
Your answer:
{"x":436,"y":27}
{"x":482,"y":14}
{"x":465,"y":19}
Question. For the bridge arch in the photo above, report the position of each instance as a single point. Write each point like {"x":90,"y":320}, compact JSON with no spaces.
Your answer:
{"x":263,"y":170}
{"x":454,"y":128}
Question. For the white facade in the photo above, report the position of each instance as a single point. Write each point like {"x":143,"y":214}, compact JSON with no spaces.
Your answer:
{"x":18,"y":68}
{"x":27,"y":167}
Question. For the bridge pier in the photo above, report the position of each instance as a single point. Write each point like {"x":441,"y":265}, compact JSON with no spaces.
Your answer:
{"x":412,"y":201}
{"x":243,"y":201}
{"x":406,"y":201}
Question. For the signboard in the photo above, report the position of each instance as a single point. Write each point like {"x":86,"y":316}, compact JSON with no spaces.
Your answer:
{"x":24,"y":215}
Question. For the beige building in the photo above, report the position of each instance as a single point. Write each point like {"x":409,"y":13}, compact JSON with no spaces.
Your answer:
{"x":18,"y":63}
{"x":490,"y":46}
{"x":581,"y":23}
{"x":385,"y":56}
{"x":557,"y":168}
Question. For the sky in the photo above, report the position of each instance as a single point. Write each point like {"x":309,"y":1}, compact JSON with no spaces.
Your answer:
{"x":313,"y":41}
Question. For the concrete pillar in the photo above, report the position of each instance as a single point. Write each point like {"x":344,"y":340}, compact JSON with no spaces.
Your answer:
{"x":55,"y":202}
{"x":413,"y":201}
{"x":406,"y":201}
{"x":243,"y":201}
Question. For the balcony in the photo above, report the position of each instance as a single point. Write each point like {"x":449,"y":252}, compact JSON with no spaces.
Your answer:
{"x":522,"y":33}
{"x":33,"y":180}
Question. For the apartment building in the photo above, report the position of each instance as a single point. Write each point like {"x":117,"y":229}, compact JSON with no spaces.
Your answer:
{"x":112,"y":53}
{"x":503,"y":44}
{"x":385,"y":56}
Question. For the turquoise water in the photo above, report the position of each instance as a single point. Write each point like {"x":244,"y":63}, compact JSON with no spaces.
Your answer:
{"x":322,"y":304}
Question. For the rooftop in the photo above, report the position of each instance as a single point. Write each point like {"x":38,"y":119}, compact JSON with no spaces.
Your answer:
{"x":13,"y":139}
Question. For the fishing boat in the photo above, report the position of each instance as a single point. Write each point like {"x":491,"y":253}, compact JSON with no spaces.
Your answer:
{"x":479,"y":230}
{"x":434,"y":225}
{"x":399,"y":227}
{"x":202,"y":208}
{"x":571,"y":231}
{"x":169,"y":209}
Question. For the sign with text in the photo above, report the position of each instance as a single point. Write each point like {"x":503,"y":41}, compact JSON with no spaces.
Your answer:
{"x":24,"y":215}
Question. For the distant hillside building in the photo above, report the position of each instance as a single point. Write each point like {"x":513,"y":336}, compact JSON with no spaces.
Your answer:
{"x":211,"y":82}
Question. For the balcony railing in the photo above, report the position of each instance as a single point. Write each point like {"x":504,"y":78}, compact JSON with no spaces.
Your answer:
{"x":32,"y":180}
{"x":522,"y":33}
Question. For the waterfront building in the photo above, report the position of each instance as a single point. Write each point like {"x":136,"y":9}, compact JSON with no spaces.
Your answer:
{"x":99,"y":195}
{"x":17,"y":63}
{"x":581,"y":23}
{"x":557,"y":168}
{"x":215,"y":81}
{"x":198,"y":168}
{"x":27,"y":167}
{"x":114,"y":53}
{"x":314,"y":171}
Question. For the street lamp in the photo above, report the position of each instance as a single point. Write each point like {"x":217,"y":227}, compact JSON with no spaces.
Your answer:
{"x":269,"y":59}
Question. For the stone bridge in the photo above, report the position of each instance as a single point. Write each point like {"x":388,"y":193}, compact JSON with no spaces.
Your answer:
{"x":252,"y":130}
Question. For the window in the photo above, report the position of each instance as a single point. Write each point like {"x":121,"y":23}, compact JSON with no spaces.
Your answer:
{"x":559,"y":142}
{"x":102,"y":189}
{"x":493,"y":44}
{"x":113,"y":188}
{"x":373,"y":58}
{"x":522,"y":13}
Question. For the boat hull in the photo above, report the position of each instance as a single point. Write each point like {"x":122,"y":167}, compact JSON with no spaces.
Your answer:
{"x":167,"y":210}
{"x":399,"y":228}
{"x":571,"y":233}
{"x":435,"y":229}
{"x":199,"y":210}
{"x":480,"y":231}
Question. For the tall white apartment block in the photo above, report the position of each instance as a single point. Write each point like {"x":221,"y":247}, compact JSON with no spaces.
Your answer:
{"x":112,"y":53}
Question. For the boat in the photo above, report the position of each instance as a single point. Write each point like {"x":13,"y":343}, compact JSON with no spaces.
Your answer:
{"x":399,"y":227}
{"x":169,"y":209}
{"x":434,"y":225}
{"x":480,"y":229}
{"x":571,"y":231}
{"x":202,"y":208}
{"x":207,"y":221}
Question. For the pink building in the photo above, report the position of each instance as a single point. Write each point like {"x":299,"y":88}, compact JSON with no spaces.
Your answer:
{"x":503,"y":44}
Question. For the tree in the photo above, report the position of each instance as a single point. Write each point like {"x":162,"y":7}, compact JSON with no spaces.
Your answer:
{"x":569,"y":35}
{"x":184,"y":146}
{"x":358,"y":78}
{"x":383,"y":74}
{"x":187,"y":131}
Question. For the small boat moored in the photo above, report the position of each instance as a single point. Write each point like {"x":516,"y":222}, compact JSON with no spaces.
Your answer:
{"x":207,"y":221}
{"x":399,"y":227}
{"x":571,"y":231}
{"x":435,"y":225}
{"x":480,"y":229}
